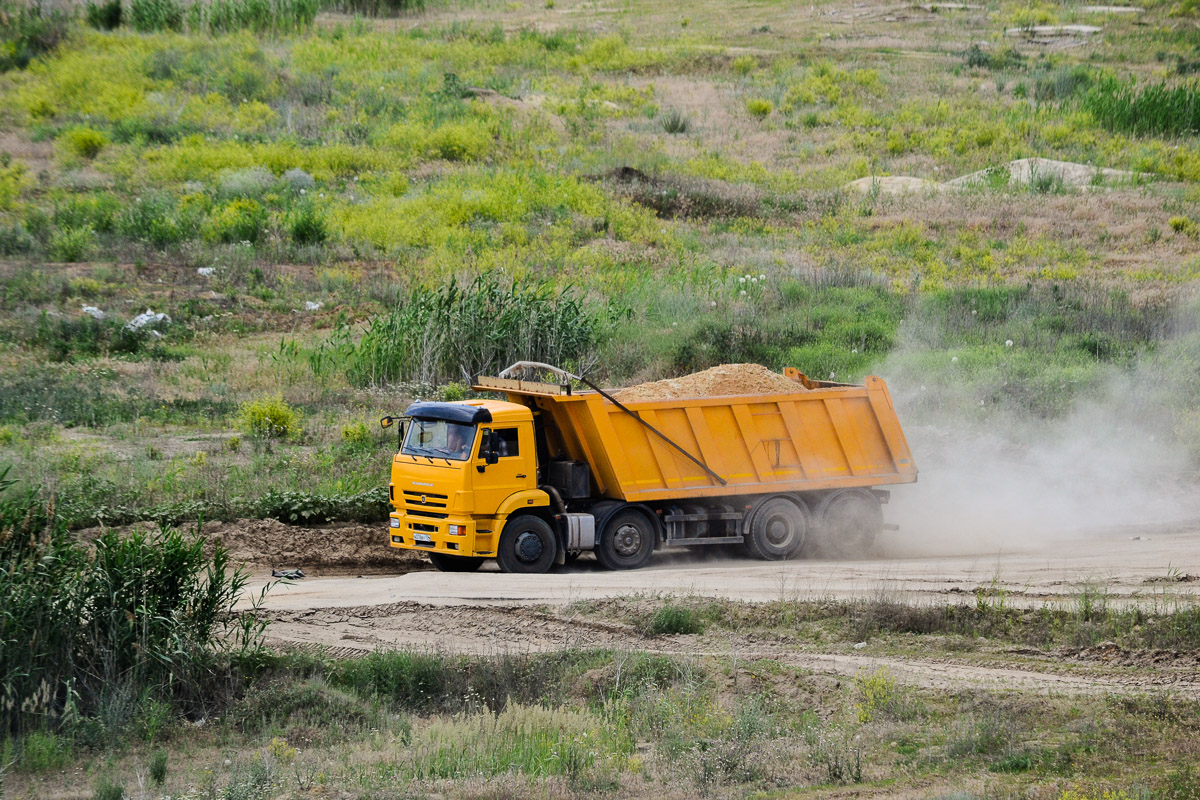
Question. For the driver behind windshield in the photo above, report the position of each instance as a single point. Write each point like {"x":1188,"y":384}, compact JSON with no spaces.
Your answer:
{"x":457,"y":446}
{"x":439,"y":439}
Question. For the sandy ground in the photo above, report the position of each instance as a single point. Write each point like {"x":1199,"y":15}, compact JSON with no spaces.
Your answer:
{"x":491,"y":613}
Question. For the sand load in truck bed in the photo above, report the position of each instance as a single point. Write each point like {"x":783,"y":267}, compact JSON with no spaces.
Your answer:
{"x":722,"y":381}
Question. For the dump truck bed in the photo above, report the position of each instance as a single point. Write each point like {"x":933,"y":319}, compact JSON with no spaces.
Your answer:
{"x":829,"y":437}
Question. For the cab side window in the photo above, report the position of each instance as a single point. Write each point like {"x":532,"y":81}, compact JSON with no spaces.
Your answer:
{"x":506,"y":439}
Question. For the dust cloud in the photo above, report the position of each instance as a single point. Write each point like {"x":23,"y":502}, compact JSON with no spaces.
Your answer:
{"x":996,"y":480}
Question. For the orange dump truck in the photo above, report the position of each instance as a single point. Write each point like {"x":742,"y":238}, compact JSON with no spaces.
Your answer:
{"x":554,"y":471}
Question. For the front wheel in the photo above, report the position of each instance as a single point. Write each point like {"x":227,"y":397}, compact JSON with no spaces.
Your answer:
{"x":444,"y":563}
{"x":527,"y":545}
{"x":626,"y":542}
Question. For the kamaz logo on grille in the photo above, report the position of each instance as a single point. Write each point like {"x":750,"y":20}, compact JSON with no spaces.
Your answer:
{"x":422,"y":498}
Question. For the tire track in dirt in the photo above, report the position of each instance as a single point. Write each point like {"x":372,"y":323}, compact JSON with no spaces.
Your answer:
{"x":496,"y":630}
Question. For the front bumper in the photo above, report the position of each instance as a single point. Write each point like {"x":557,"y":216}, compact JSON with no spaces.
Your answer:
{"x":454,"y":536}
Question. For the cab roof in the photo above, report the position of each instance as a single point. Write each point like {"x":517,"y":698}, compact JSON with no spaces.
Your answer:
{"x":470,"y":412}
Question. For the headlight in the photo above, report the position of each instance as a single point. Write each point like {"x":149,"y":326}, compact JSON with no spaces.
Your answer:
{"x":458,"y":530}
{"x":395,"y":523}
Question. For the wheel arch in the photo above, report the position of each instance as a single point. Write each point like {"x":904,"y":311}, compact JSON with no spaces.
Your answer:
{"x":519,"y":503}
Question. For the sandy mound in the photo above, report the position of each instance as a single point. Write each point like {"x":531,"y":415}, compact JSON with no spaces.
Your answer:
{"x":1113,"y":10}
{"x":1025,"y":170}
{"x":894,"y":184}
{"x":1054,"y":30}
{"x":727,"y":379}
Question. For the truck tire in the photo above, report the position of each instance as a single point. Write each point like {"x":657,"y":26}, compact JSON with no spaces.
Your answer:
{"x":777,"y":529}
{"x":446,"y":563}
{"x":527,"y":545}
{"x":626,"y":540}
{"x":849,"y":521}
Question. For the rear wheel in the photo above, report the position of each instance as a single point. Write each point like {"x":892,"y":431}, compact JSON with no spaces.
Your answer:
{"x":777,"y":529}
{"x":527,"y":545}
{"x":445,"y":563}
{"x":850,"y":521}
{"x":626,"y":541}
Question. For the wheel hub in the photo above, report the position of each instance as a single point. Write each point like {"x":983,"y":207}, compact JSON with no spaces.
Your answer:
{"x":628,"y":540}
{"x":529,"y":546}
{"x":778,"y":530}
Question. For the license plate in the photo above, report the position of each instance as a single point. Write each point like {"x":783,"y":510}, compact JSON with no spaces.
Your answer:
{"x":422,"y":538}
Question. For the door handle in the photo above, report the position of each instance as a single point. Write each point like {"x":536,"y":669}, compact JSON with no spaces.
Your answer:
{"x":521,"y":475}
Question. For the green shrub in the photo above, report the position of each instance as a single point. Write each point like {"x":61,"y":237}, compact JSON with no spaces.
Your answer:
{"x":744,"y":65}
{"x":86,"y":142}
{"x":269,"y":418}
{"x":671,"y":619}
{"x":306,"y":224}
{"x":71,"y":245}
{"x":107,"y":789}
{"x":460,"y":141}
{"x":103,"y":16}
{"x":452,"y":392}
{"x":28,"y":30}
{"x":976,"y":57}
{"x":249,"y":184}
{"x":307,"y":508}
{"x":357,"y":434}
{"x":240,"y":220}
{"x":759,"y":107}
{"x":158,"y":766}
{"x":157,"y":219}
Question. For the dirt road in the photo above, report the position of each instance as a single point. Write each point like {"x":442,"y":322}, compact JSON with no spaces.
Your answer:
{"x":1128,"y":563}
{"x":489,"y":612}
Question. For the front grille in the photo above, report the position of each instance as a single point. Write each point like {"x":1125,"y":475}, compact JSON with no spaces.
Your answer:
{"x":416,"y":512}
{"x":425,"y":499}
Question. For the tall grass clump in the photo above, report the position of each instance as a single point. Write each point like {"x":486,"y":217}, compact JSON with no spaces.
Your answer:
{"x":222,"y":16}
{"x":1158,"y":109}
{"x":459,"y":331}
{"x":92,"y":633}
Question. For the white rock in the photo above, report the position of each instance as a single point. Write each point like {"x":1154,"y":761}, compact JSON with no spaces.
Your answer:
{"x":310,"y":305}
{"x":860,"y":645}
{"x":146,"y":318}
{"x":94,"y":312}
{"x":206,"y":272}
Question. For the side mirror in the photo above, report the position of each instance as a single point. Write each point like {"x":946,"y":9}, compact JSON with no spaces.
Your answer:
{"x":388,"y":422}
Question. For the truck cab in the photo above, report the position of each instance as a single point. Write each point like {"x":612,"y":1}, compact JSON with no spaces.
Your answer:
{"x":461,"y":470}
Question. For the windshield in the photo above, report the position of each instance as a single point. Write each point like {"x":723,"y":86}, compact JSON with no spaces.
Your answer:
{"x":439,"y":439}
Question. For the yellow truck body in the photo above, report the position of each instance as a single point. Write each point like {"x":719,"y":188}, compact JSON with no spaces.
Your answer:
{"x":552,"y":472}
